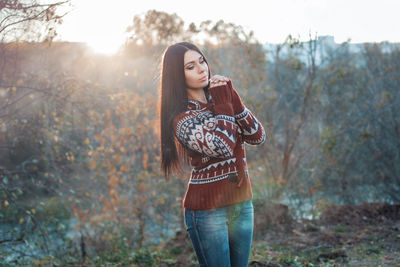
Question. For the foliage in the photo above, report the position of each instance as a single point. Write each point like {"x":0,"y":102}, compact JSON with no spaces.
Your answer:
{"x":79,"y":136}
{"x":156,"y":27}
{"x":29,"y":20}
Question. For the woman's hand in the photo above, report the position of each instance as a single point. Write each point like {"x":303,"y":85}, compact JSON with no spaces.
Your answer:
{"x":221,"y":95}
{"x":238,"y":105}
{"x":217,"y":80}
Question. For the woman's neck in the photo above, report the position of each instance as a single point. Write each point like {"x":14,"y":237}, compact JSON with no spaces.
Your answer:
{"x":197,"y":95}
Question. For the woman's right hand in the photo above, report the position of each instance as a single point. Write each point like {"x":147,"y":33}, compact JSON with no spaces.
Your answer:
{"x":217,"y":80}
{"x":221,"y":93}
{"x":222,"y":97}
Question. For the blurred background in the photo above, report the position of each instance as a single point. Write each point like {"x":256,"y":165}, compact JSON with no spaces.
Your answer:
{"x":80,"y":179}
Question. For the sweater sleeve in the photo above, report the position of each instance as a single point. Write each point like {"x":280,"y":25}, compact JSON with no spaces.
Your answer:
{"x":251,"y":129}
{"x":207,"y":133}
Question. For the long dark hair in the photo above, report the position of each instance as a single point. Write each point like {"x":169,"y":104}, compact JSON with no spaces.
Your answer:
{"x":173,"y":100}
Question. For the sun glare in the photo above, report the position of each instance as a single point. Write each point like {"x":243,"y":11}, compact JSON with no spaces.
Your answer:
{"x":105,"y":46}
{"x":99,"y":25}
{"x":102,"y":25}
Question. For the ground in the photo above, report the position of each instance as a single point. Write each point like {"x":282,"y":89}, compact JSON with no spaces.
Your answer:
{"x":348,"y":235}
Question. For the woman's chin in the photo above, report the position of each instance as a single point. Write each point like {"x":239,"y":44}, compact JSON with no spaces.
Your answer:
{"x":199,"y":86}
{"x":204,"y":84}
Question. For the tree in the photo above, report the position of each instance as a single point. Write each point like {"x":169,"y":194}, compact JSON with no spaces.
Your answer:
{"x":156,"y":28}
{"x":224,"y":33}
{"x":294,"y":81}
{"x":29,"y":20}
{"x":379,"y":134}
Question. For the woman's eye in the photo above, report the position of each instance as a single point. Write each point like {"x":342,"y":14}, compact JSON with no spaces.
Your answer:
{"x":190,"y":68}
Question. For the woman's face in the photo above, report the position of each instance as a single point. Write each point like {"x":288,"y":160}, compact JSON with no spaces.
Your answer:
{"x":196,"y":70}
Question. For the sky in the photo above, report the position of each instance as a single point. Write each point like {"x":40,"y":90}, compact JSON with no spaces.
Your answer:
{"x":102,"y":23}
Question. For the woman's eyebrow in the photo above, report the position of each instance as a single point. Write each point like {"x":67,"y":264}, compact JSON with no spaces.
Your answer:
{"x":192,"y":61}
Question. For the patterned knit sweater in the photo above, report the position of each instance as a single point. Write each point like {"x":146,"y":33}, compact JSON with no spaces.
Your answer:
{"x":214,"y":134}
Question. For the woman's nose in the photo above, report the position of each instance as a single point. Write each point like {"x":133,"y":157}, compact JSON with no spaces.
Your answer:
{"x":202,"y":69}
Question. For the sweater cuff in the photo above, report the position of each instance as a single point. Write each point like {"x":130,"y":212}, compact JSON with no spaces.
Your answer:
{"x":221,"y":94}
{"x":237,"y":103}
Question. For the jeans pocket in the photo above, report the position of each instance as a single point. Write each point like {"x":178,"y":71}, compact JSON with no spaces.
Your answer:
{"x":242,"y":209}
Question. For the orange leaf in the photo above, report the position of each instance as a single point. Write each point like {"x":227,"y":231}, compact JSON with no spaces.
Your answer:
{"x":144,"y":161}
{"x":92,"y":163}
{"x":142,"y":187}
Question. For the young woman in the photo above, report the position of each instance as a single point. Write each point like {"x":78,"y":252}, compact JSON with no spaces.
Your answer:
{"x":203,"y":120}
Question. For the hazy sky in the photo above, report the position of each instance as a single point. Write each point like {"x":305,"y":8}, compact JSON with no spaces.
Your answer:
{"x":102,"y":23}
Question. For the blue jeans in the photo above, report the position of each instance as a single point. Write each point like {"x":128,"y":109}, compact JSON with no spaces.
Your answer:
{"x":222,"y":237}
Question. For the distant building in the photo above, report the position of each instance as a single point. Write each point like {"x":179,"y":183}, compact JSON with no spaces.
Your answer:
{"x":325,"y":45}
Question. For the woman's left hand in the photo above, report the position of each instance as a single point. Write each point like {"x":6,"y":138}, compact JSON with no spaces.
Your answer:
{"x":217,"y":80}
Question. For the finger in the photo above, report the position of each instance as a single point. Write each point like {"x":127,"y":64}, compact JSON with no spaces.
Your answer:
{"x":214,"y":81}
{"x":222,"y":78}
{"x":219,"y":79}
{"x":217,"y":84}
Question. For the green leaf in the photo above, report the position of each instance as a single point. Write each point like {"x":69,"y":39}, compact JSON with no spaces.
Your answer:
{"x":19,"y":191}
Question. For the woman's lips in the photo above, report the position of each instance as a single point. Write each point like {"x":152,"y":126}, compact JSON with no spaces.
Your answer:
{"x":203,"y":79}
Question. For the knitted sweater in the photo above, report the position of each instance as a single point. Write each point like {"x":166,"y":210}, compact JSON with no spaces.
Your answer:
{"x":214,"y":134}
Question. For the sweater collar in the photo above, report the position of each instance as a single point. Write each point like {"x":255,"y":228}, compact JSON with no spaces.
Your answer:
{"x":196,"y":105}
{"x":193,"y":104}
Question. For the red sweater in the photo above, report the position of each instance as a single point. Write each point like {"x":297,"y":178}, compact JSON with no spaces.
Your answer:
{"x":214,"y":134}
